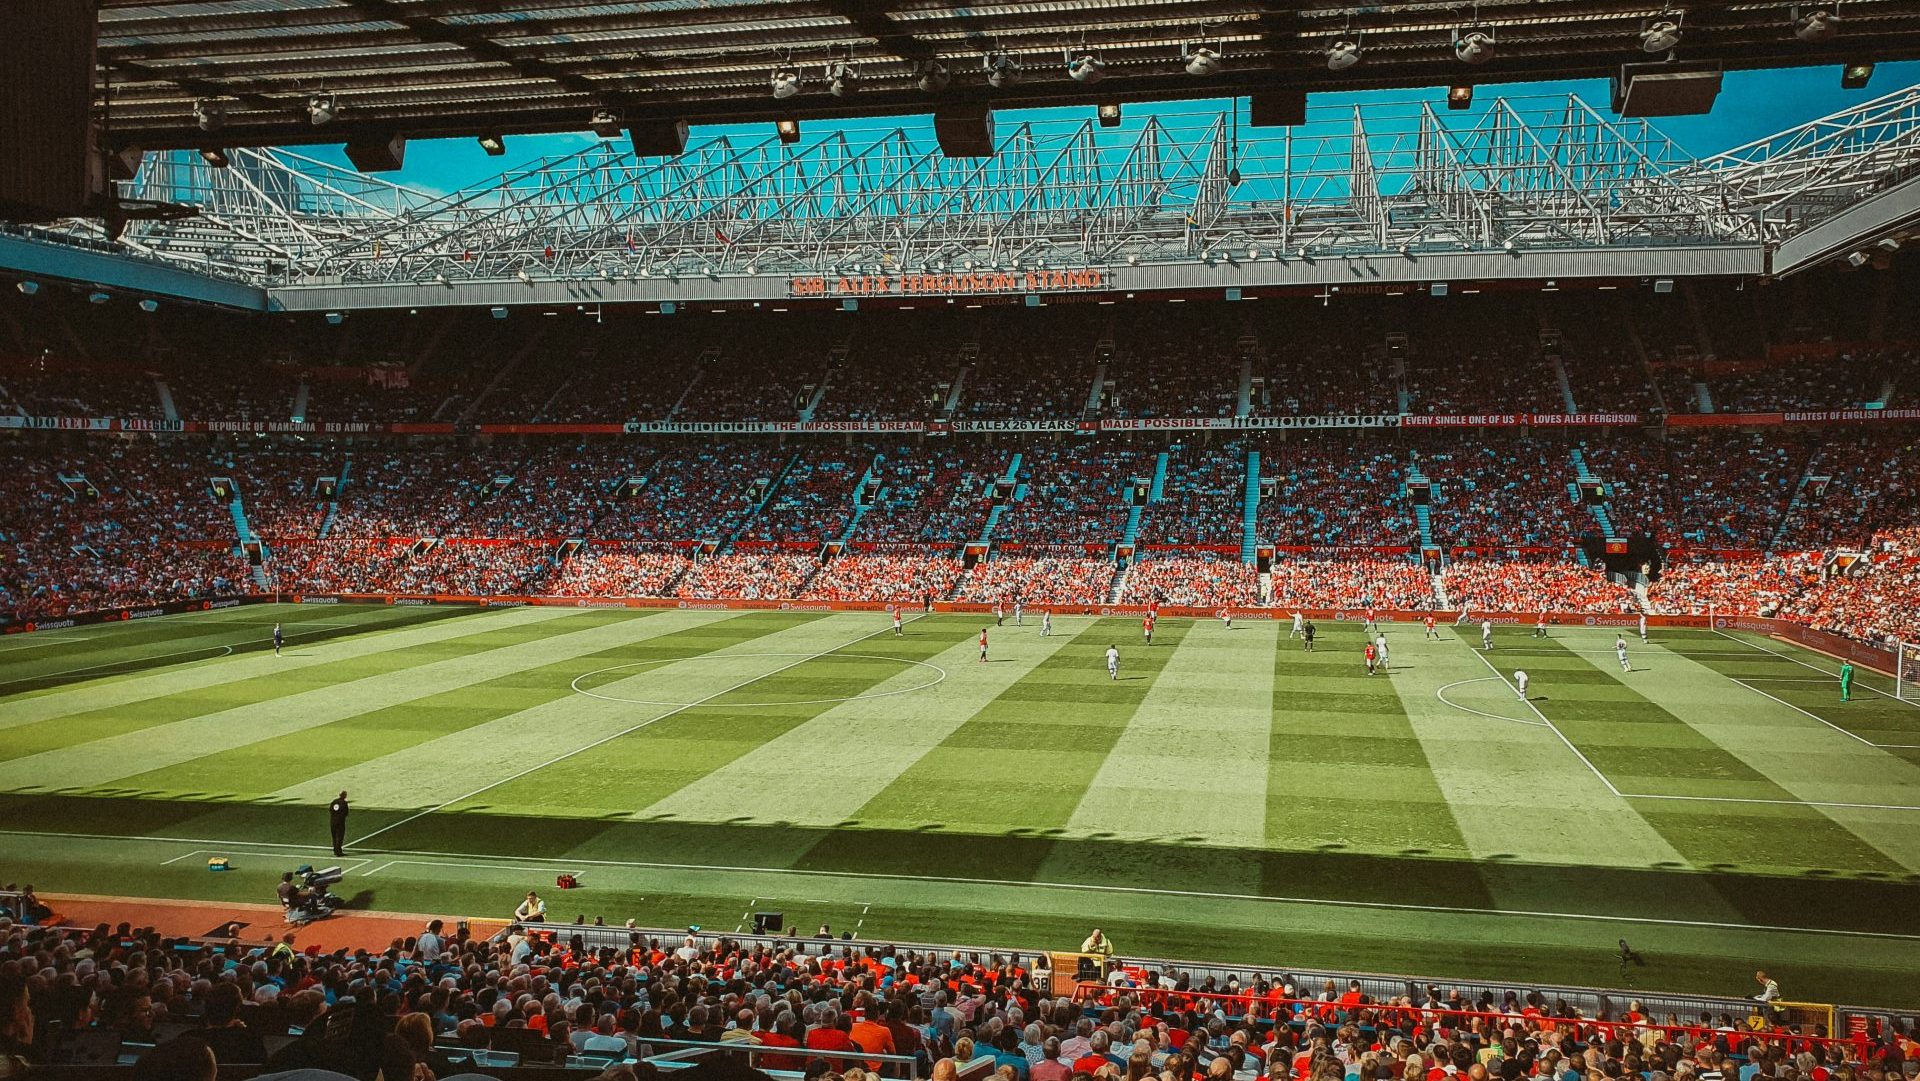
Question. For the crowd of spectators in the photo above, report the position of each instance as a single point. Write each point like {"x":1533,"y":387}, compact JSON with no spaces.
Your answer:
{"x":1748,"y":587}
{"x":49,"y":387}
{"x":1854,"y":487}
{"x":605,"y":570}
{"x":1468,"y":358}
{"x":1203,"y":579}
{"x":1331,"y":493}
{"x":1504,"y":493}
{"x":410,"y":1009}
{"x":1036,"y":580}
{"x":1201,"y":499}
{"x":1357,"y":582}
{"x":1074,"y":493}
{"x":1486,"y":585}
{"x":1876,"y":598}
{"x":1172,"y":366}
{"x":898,"y":578}
{"x":815,"y":500}
{"x":749,"y":576}
{"x":942,"y":496}
{"x":703,"y":491}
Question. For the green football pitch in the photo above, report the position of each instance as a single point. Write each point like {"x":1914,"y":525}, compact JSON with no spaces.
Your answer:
{"x":1230,"y":797}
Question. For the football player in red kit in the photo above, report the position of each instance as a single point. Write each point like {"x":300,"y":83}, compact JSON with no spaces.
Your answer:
{"x":983,"y":645}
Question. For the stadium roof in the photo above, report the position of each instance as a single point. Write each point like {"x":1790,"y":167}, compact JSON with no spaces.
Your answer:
{"x":424,"y":68}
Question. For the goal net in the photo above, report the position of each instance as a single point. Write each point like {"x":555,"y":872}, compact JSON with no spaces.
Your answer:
{"x":1906,"y":675}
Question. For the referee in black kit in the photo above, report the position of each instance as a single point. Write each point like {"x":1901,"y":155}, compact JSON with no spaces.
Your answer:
{"x":337,"y":821}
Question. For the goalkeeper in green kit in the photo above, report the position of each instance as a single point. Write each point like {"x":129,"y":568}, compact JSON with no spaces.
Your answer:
{"x":1846,"y":680}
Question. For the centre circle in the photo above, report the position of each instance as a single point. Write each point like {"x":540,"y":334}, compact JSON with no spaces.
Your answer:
{"x":939,"y":675}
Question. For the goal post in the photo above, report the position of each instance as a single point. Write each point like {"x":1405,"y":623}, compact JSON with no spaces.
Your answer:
{"x":1906,"y":672}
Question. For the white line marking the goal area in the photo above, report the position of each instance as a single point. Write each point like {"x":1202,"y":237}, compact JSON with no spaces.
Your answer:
{"x":1832,"y":675}
{"x":1615,"y":789}
{"x":1849,"y":733}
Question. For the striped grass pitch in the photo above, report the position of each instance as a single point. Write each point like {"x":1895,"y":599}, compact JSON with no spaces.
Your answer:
{"x":1230,"y":797}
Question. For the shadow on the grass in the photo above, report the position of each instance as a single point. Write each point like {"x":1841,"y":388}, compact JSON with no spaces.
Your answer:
{"x":1821,"y":898}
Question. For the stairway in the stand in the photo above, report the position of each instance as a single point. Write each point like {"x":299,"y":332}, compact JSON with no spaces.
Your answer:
{"x":1584,"y":476}
{"x":301,"y":394}
{"x":1011,"y":476}
{"x":1702,"y":397}
{"x":1250,"y":511}
{"x":1422,"y":512}
{"x":168,"y":409}
{"x":1119,"y":587}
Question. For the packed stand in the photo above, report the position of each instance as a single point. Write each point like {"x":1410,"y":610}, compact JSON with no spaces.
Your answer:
{"x":1037,"y":580}
{"x":248,"y":391}
{"x":814,"y":501}
{"x":49,"y":387}
{"x":1191,"y":579}
{"x":1748,"y":587}
{"x":749,"y":576}
{"x":940,"y":496}
{"x":1470,"y":358}
{"x":702,"y":492}
{"x":897,"y":369}
{"x":1169,"y":366}
{"x":602,"y":570}
{"x":1604,"y":372}
{"x":1842,"y":378}
{"x":408,"y":1010}
{"x":1349,"y":583}
{"x":1076,"y":493}
{"x":1873,"y":483}
{"x":1202,"y":499}
{"x":894,"y":578}
{"x":1876,"y":599}
{"x":280,"y":490}
{"x":1327,"y":493}
{"x":1504,"y":494}
{"x":1478,"y":585}
{"x":749,"y":382}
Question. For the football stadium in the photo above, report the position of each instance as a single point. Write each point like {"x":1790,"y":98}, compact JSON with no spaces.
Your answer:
{"x":840,"y":539}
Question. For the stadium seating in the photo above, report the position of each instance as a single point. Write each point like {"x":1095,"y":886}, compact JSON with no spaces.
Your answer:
{"x":1350,"y":583}
{"x":1207,"y":580}
{"x":589,"y":995}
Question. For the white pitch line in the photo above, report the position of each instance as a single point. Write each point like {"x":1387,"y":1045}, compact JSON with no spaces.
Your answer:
{"x":1815,"y":667}
{"x":1441,"y":694}
{"x":227,"y":652}
{"x":556,"y":760}
{"x":1577,"y":752}
{"x":1823,"y":720}
{"x":449,"y":859}
{"x":1783,"y":802}
{"x":12,"y":645}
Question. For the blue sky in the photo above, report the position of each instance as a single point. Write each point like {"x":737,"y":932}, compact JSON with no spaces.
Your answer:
{"x":1752,"y":105}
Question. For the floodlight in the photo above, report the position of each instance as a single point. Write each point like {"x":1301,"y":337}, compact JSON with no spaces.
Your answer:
{"x":934,"y":77}
{"x":209,"y":114}
{"x":321,"y":109}
{"x":1003,"y":70}
{"x":1856,"y":76}
{"x":1660,"y":36}
{"x":1201,"y":61}
{"x":494,"y":145}
{"x":524,"y":277}
{"x":785,"y":81}
{"x":214,"y":156}
{"x":604,"y":124}
{"x":149,"y":305}
{"x":1086,"y":68}
{"x":1108,"y":113}
{"x":788,"y":129}
{"x":1460,"y":96}
{"x":27,"y":288}
{"x":1342,"y":54}
{"x":842,"y":79}
{"x":1473,"y":46}
{"x":1856,"y":259}
{"x":1816,"y":24}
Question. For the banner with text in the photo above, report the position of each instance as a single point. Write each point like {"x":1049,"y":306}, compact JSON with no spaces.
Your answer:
{"x":971,"y":283}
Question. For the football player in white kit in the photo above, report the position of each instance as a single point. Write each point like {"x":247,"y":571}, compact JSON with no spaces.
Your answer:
{"x":1620,"y":651}
{"x":1486,"y":634}
{"x":1113,"y":662}
{"x":1520,"y":681}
